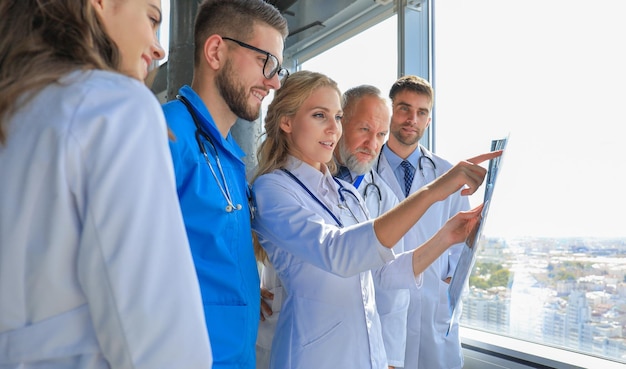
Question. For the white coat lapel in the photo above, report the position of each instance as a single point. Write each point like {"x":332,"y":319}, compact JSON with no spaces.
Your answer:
{"x":386,"y":173}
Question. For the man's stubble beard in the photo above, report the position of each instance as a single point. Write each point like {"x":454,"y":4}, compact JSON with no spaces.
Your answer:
{"x":235,"y":95}
{"x":406,"y":140}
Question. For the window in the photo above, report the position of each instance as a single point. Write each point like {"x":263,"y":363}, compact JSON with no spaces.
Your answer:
{"x":552,"y":267}
{"x":375,"y":52}
{"x":164,"y":31}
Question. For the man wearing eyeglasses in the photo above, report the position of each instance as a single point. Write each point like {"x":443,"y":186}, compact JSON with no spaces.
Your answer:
{"x":237,"y":61}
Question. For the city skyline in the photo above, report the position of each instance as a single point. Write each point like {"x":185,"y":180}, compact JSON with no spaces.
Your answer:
{"x":568,"y":293}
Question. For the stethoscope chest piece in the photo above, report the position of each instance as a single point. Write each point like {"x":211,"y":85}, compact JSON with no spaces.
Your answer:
{"x":230,"y":208}
{"x":200,"y":134}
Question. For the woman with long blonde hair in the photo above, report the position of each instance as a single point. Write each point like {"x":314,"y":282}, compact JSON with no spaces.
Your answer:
{"x":95,"y":268}
{"x":317,"y":235}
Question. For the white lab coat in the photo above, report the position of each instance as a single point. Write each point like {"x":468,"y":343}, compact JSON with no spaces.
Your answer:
{"x":95,"y":268}
{"x":427,"y":345}
{"x":328,"y":316}
{"x":392,"y":304}
{"x":267,"y":327}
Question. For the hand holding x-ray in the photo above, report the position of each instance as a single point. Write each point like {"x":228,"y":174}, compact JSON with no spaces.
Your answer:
{"x":467,"y":258}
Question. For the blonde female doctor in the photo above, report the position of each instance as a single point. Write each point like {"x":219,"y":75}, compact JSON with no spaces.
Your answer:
{"x":322,"y":244}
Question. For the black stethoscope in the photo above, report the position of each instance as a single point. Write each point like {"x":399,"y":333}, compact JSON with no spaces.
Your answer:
{"x":341,"y":191}
{"x":370,"y":188}
{"x":373,"y":187}
{"x":420,"y":166}
{"x":428,"y":159}
{"x":344,"y":204}
{"x":200,"y":134}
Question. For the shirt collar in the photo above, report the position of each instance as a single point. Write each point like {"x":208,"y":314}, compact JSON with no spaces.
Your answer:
{"x":394,"y":160}
{"x":321,"y":184}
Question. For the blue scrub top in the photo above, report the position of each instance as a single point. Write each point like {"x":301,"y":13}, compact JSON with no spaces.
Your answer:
{"x":221,"y":242}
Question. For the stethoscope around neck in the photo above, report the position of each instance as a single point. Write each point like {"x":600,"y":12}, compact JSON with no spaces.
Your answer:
{"x":420,"y":166}
{"x":370,"y":188}
{"x":428,"y":159}
{"x":343,"y":203}
{"x":342,"y":190}
{"x":200,"y":135}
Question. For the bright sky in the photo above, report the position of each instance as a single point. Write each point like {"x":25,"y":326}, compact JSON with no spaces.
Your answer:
{"x":550,"y":73}
{"x":164,"y":36}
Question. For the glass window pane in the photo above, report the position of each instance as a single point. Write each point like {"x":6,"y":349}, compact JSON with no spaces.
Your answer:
{"x":552,"y":267}
{"x":370,"y":57}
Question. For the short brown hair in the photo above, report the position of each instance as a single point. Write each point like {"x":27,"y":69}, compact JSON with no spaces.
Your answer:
{"x":412,"y":83}
{"x":234,"y":18}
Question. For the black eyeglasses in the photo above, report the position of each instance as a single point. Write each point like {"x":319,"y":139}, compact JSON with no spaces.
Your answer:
{"x":271,"y":66}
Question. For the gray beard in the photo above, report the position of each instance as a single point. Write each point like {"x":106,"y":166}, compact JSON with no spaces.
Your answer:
{"x":352,"y":162}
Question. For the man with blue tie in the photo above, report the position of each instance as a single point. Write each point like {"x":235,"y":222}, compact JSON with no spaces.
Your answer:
{"x":405,"y":166}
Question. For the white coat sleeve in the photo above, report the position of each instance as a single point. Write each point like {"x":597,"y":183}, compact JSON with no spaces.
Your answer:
{"x":134,"y":263}
{"x":291,"y":223}
{"x":267,"y":327}
{"x":397,"y":274}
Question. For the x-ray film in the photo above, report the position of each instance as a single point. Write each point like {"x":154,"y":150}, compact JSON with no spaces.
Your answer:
{"x":468,"y":255}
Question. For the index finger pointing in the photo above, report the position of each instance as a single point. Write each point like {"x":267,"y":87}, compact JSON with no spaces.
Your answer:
{"x":488,"y":156}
